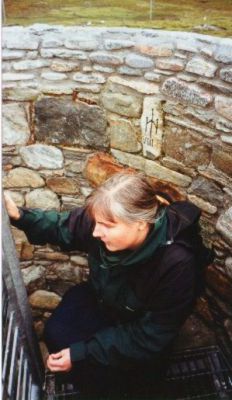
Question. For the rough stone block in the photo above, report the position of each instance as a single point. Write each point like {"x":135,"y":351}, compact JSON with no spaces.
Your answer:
{"x":12,"y":54}
{"x":63,"y":53}
{"x":136,"y":61}
{"x":123,"y":135}
{"x":42,"y":198}
{"x":162,"y":50}
{"x":16,"y":129}
{"x":226,"y":74}
{"x":223,"y":106}
{"x":81,"y":44}
{"x":172,"y":64}
{"x":130,"y":71}
{"x":11,"y":76}
{"x":106,"y":58}
{"x":64,"y":66}
{"x":200,"y":66}
{"x":44,"y":300}
{"x":79,"y":123}
{"x":53,"y":76}
{"x":30,"y":64}
{"x":63,"y":185}
{"x":38,"y":156}
{"x":22,"y":177}
{"x":111,"y":44}
{"x":189,"y":93}
{"x":90,"y":78}
{"x":223,"y":53}
{"x":202,"y":204}
{"x":140,"y":86}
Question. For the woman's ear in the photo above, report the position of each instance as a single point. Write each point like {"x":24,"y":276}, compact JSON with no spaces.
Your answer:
{"x":143,"y":225}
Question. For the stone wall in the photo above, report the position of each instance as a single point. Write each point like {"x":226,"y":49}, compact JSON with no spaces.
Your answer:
{"x":82,"y":103}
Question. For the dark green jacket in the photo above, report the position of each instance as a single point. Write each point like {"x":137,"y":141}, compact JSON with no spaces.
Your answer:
{"x":149,"y":297}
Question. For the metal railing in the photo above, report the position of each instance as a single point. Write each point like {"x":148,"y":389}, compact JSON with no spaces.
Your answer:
{"x":22,"y":367}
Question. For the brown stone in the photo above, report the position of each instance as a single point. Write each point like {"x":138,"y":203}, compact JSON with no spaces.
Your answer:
{"x":160,"y":51}
{"x":220,"y":283}
{"x":221,"y":159}
{"x":202,"y":308}
{"x":63,"y":185}
{"x":39,"y":328}
{"x":101,"y":166}
{"x":44,"y":300}
{"x":186,"y":147}
{"x":27,"y":251}
{"x":55,"y":256}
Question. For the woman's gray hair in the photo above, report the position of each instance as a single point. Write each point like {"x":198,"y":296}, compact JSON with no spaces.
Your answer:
{"x":129,"y":197}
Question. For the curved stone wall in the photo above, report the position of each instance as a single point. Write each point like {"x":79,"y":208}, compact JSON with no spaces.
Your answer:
{"x":158,"y":101}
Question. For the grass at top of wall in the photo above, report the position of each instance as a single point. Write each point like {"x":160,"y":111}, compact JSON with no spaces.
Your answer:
{"x":211,"y":17}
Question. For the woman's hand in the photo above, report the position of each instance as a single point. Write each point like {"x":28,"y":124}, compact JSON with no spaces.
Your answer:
{"x":60,"y":361}
{"x":11,"y":207}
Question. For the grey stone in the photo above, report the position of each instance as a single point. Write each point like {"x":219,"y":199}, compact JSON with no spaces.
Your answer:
{"x":38,"y":156}
{"x":21,"y":41}
{"x":63,"y":53}
{"x":129,"y":71}
{"x":152,"y":76}
{"x":106,"y":58}
{"x":224,"y":224}
{"x":190,"y":45}
{"x":122,"y":100}
{"x":84,"y":87}
{"x":123,"y":135}
{"x":51,"y":41}
{"x":173,"y":64}
{"x":187,"y":77}
{"x":53,"y":76}
{"x":223,"y":106}
{"x":200,"y":66}
{"x":12,"y":54}
{"x":79,"y":260}
{"x":32,"y":54}
{"x":223,"y":53}
{"x":10,"y":76}
{"x":130,"y":160}
{"x":79,"y":123}
{"x":188,"y":124}
{"x":111,"y":44}
{"x":101,"y":68}
{"x":65,"y":272}
{"x":20,"y":94}
{"x":228,"y":265}
{"x":42,"y":198}
{"x":30,"y":64}
{"x":178,"y":166}
{"x":190,"y":93}
{"x":205,"y":116}
{"x":23,"y":177}
{"x":57,"y":87}
{"x":90,"y":78}
{"x":34,"y":277}
{"x":136,"y":61}
{"x":82,"y":44}
{"x":139,"y":85}
{"x":226,"y":74}
{"x":64,"y":66}
{"x":208,"y":190}
{"x":15,"y":124}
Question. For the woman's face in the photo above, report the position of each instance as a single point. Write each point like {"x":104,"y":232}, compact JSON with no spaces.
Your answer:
{"x":120,"y":235}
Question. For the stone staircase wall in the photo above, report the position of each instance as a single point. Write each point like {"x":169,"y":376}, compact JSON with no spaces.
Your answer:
{"x":80,"y":103}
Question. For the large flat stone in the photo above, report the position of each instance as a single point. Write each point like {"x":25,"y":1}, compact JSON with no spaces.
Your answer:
{"x":207,"y":189}
{"x":63,"y":185}
{"x":38,"y":156}
{"x":123,"y":135}
{"x":63,"y":53}
{"x":23,"y":177}
{"x":188,"y":93}
{"x":122,"y":100}
{"x":15,"y":125}
{"x":21,"y":41}
{"x":152,"y":127}
{"x":79,"y":123}
{"x":139,"y":85}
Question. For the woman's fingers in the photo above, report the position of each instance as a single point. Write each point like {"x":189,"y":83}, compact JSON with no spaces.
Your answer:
{"x":11,"y":207}
{"x":59,"y":361}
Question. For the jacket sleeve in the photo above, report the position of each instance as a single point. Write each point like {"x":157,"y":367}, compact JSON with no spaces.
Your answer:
{"x":124,"y":345}
{"x":70,"y":230}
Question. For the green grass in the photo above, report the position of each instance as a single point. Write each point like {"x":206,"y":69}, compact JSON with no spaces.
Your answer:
{"x":180,"y":15}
